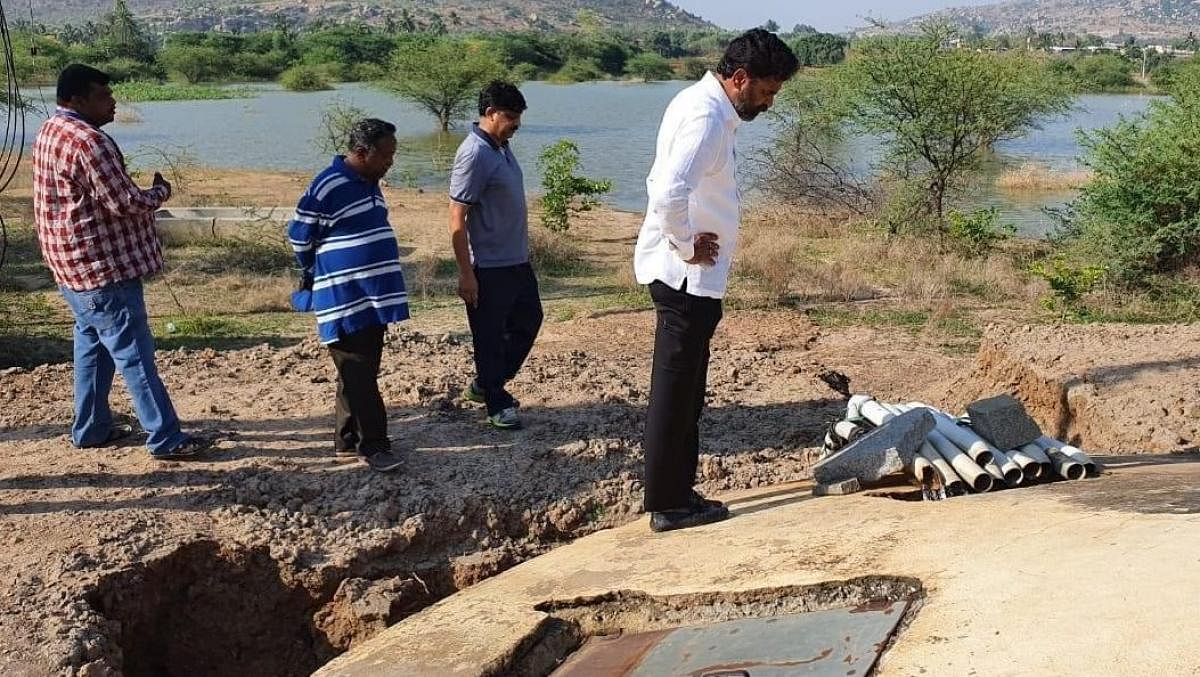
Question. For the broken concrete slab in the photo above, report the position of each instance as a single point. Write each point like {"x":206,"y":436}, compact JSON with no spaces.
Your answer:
{"x":1003,"y":422}
{"x":882,"y":452}
{"x":850,"y":486}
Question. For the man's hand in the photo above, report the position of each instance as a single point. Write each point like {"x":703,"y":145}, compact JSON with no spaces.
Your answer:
{"x":468,"y":288}
{"x":160,"y":181}
{"x":706,"y":250}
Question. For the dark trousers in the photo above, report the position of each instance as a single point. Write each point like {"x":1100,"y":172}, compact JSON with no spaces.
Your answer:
{"x":678,"y":379}
{"x":503,"y":327}
{"x":361,"y":418}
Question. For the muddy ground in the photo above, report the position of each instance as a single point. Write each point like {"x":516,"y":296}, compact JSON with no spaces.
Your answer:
{"x":271,"y":558}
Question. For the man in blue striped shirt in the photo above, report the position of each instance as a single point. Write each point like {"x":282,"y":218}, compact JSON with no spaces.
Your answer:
{"x":351,"y":263}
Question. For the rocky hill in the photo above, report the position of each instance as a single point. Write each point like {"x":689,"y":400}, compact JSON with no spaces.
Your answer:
{"x":455,"y":15}
{"x":1141,"y":18}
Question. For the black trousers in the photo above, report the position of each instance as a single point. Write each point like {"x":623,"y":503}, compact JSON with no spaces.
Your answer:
{"x":361,"y":417}
{"x":678,"y":379}
{"x":504,"y":326}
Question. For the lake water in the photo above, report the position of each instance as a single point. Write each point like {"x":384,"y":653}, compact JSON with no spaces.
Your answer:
{"x":613,"y":123}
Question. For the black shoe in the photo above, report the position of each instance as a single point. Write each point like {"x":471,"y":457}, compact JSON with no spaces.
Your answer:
{"x":670,"y":520}
{"x":193,"y":447}
{"x":383,"y":461}
{"x":699,"y":501}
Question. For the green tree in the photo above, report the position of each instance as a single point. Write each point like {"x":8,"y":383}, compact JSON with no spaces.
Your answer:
{"x":771,"y":26}
{"x":443,"y":76}
{"x":563,"y":191}
{"x":1140,"y":214}
{"x":820,"y":49}
{"x":195,"y":63}
{"x":121,"y":35}
{"x":939,"y":111}
{"x":304,"y":78}
{"x":649,"y":66}
{"x":1104,"y":72}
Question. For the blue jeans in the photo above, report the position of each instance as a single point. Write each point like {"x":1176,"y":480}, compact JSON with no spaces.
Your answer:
{"x":112,"y":331}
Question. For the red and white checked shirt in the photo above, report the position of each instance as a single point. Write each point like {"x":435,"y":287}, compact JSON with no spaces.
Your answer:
{"x":95,"y":226}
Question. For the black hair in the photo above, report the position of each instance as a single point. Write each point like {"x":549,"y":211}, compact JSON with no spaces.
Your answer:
{"x":77,"y":80}
{"x":367,"y":133}
{"x":501,"y":96}
{"x":761,"y":54}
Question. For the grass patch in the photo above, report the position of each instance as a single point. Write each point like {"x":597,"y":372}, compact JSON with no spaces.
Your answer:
{"x":261,"y":257}
{"x":229,"y":332}
{"x":142,"y":91}
{"x":1032,"y":177}
{"x":557,"y":254}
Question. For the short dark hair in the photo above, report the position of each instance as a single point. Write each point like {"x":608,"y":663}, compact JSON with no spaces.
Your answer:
{"x":761,"y":54}
{"x":501,"y":96}
{"x":367,"y":133}
{"x":77,"y":80}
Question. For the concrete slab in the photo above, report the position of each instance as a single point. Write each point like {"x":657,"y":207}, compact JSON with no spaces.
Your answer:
{"x":1003,"y":422}
{"x":1096,"y":577}
{"x":884,"y":451}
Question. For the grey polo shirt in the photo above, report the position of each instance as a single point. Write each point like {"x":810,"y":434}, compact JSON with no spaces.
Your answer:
{"x":487,"y":178}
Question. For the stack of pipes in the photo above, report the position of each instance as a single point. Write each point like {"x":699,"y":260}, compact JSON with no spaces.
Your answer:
{"x":957,"y":459}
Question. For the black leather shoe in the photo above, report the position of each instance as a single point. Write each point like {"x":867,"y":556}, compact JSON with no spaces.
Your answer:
{"x":699,"y":501}
{"x":670,"y":520}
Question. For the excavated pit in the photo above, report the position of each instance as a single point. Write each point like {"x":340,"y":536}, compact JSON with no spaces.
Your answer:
{"x":204,"y":610}
{"x":207,"y":610}
{"x":572,"y":623}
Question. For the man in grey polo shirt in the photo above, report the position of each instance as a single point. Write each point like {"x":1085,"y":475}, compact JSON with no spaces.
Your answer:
{"x":489,"y":229}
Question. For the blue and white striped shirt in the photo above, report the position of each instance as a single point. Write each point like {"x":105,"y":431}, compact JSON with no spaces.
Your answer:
{"x":341,"y":235}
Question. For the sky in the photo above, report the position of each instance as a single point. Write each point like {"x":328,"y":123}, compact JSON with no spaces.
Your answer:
{"x":833,"y":16}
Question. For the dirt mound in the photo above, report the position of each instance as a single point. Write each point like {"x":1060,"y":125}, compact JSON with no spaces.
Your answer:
{"x":1122,"y":389}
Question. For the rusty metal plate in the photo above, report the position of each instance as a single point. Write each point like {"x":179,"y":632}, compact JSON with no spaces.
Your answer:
{"x":837,"y":643}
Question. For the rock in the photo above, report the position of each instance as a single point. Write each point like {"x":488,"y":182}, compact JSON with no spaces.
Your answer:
{"x":881,"y":452}
{"x":1003,"y":422}
{"x":850,"y":486}
{"x":97,"y":669}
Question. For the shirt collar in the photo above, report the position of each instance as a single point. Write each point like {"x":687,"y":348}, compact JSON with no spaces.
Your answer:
{"x":339,"y":165}
{"x":67,"y":112}
{"x":716,"y":90}
{"x":477,"y":131}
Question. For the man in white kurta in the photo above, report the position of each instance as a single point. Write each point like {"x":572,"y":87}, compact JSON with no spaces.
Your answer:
{"x":684,"y":252}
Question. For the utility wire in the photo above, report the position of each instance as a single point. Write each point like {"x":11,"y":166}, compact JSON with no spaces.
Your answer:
{"x":12,"y":145}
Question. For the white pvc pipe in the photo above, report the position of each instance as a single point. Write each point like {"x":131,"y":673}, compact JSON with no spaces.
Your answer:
{"x":951,"y":482}
{"x":995,"y":472}
{"x":980,"y":451}
{"x":1036,"y":452}
{"x":922,"y":470}
{"x":1012,"y":472}
{"x":875,"y":412}
{"x":1066,"y":466}
{"x":854,"y":407}
{"x":1090,"y":467}
{"x":847,"y":430}
{"x":1029,"y":465}
{"x":1033,"y":450}
{"x":975,"y":477}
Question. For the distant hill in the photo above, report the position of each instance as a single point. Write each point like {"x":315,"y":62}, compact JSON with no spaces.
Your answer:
{"x":1106,"y":18}
{"x":455,"y":15}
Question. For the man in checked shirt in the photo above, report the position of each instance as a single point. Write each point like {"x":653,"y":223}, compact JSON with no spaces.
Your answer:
{"x":96,"y":231}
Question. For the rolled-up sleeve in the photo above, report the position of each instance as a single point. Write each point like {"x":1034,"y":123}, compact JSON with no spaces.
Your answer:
{"x":469,"y":176}
{"x":695,"y":152}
